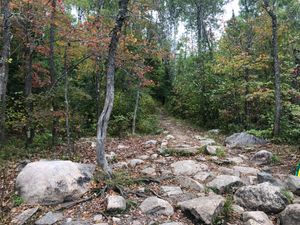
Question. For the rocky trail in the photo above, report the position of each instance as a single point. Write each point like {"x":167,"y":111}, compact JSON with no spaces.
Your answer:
{"x":182,"y":176}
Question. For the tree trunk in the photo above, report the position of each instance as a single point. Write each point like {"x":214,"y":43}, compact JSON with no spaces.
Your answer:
{"x":137,"y":100}
{"x":4,"y":66}
{"x":276,"y":66}
{"x":109,"y":99}
{"x":67,"y":101}
{"x":52,"y":68}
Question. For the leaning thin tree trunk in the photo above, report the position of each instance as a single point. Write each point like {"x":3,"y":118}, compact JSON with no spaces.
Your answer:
{"x":109,"y":99}
{"x":52,"y":68}
{"x":67,"y":102}
{"x":137,"y":100}
{"x":4,"y":66}
{"x":276,"y":66}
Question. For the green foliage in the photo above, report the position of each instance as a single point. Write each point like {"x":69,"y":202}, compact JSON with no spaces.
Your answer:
{"x":288,"y":195}
{"x":17,"y":200}
{"x":275,"y":159}
{"x":227,"y":210}
{"x":220,"y":153}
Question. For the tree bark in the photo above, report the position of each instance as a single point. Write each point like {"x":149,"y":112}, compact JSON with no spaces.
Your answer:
{"x":67,"y":101}
{"x":276,"y":66}
{"x":4,"y":66}
{"x":109,"y":99}
{"x":137,"y":100}
{"x":52,"y":68}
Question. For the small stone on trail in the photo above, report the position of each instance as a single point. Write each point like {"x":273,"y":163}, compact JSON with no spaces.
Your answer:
{"x":171,"y":190}
{"x":24,"y":216}
{"x":115,"y":202}
{"x":189,"y":183}
{"x":49,"y":218}
{"x":156,"y":206}
{"x":203,"y":176}
{"x":98,"y":218}
{"x":256,"y":218}
{"x":262,"y":157}
{"x":243,"y":170}
{"x":149,"y":171}
{"x":187,"y":167}
{"x":293,"y":184}
{"x":225,"y":183}
{"x":150,"y":142}
{"x":134,"y":162}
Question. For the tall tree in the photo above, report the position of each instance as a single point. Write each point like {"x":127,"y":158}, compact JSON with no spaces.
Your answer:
{"x":271,"y":11}
{"x":4,"y":60}
{"x":110,"y":89}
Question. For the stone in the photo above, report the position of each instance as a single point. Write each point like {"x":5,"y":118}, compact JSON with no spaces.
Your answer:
{"x":49,"y":218}
{"x":121,"y":146}
{"x":262,"y":157}
{"x":187,"y":167}
{"x":120,"y":165}
{"x":183,"y":197}
{"x":98,"y":218}
{"x":23,"y":217}
{"x":293,"y":184}
{"x":264,"y":197}
{"x":111,"y":157}
{"x":256,"y":218}
{"x":144,"y":157}
{"x":242,"y":140}
{"x":171,"y":190}
{"x":228,"y":171}
{"x":225,"y":184}
{"x":207,"y":141}
{"x":243,"y":170}
{"x":156,"y":206}
{"x":77,"y":222}
{"x":53,"y":182}
{"x":203,"y":176}
{"x":184,"y":150}
{"x":134,"y":162}
{"x":115,"y":202}
{"x":249,"y":180}
{"x":170,"y":137}
{"x":150,"y":142}
{"x":204,"y":209}
{"x":189,"y":183}
{"x":149,"y":171}
{"x":214,"y":131}
{"x":172,"y":223}
{"x":291,"y":215}
{"x":212,"y":149}
{"x":235,"y":160}
{"x":267,"y":177}
{"x":238,"y":209}
{"x":154,"y":156}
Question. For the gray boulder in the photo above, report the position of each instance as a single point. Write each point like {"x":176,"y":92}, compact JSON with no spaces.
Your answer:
{"x":52,"y":182}
{"x":293,"y":184}
{"x":115,"y":202}
{"x":256,"y":218}
{"x":189,"y":183}
{"x":291,"y":215}
{"x":171,"y":190}
{"x":242,"y":140}
{"x":225,"y":183}
{"x":264,"y":197}
{"x":262,"y":157}
{"x":49,"y":218}
{"x":267,"y":177}
{"x":156,"y":206}
{"x":187,"y":167}
{"x":244,"y":170}
{"x":204,"y":209}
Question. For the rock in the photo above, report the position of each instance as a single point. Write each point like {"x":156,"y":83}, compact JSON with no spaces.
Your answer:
{"x":170,"y":137}
{"x":49,"y":218}
{"x":111,"y":157}
{"x":250,"y":180}
{"x":22,"y":164}
{"x":267,"y":177}
{"x":171,"y":190}
{"x":24,"y":216}
{"x":242,"y":140}
{"x":134,"y":162}
{"x":187,"y":167}
{"x":228,"y":171}
{"x":149,"y":171}
{"x":150,"y":142}
{"x":144,"y":157}
{"x":183,"y":197}
{"x":203,"y":176}
{"x":115,"y":202}
{"x":262,"y":157}
{"x":235,"y":160}
{"x":264,"y":197}
{"x":52,"y":182}
{"x":154,"y":205}
{"x":120,"y":165}
{"x":77,"y":222}
{"x":225,"y":184}
{"x":246,"y":170}
{"x":212,"y":149}
{"x":293,"y":184}
{"x":256,"y":218}
{"x":116,"y":220}
{"x":214,"y":131}
{"x":98,"y":218}
{"x":154,"y":156}
{"x":207,"y":141}
{"x":204,"y":209}
{"x":291,"y":215}
{"x":189,"y":183}
{"x":172,"y":223}
{"x":238,"y":209}
{"x":121,"y":146}
{"x":136,"y":222}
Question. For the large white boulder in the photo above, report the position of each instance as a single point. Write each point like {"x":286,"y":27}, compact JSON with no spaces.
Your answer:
{"x":242,"y":140}
{"x":53,"y":182}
